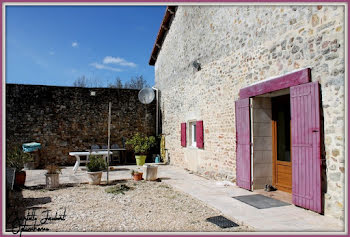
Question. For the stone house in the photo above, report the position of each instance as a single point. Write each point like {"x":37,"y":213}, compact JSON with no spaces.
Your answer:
{"x":255,"y":95}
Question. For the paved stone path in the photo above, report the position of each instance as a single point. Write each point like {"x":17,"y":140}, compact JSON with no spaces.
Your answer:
{"x":281,"y":219}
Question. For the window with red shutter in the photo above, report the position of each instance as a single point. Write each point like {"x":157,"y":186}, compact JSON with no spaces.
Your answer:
{"x":199,"y":134}
{"x":183,"y":134}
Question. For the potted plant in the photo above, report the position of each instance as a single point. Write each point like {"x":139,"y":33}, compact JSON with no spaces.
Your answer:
{"x":94,"y":169}
{"x":29,"y":164}
{"x":141,"y":144}
{"x":16,"y":158}
{"x":52,"y":176}
{"x":136,"y":175}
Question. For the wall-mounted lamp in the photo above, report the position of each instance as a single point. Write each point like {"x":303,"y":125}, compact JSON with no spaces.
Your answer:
{"x":92,"y":93}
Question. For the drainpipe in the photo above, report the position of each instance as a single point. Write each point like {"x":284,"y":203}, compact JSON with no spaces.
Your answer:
{"x":157,"y":109}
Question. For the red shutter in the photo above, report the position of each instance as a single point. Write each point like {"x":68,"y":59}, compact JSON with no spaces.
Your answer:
{"x":199,"y":134}
{"x":306,"y":152}
{"x":183,"y":134}
{"x":243,"y":177}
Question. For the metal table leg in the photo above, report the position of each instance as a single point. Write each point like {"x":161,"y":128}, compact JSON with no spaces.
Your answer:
{"x":77,"y":163}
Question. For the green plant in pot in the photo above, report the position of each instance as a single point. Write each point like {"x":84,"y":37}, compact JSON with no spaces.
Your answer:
{"x":29,"y":164}
{"x":95,"y":166}
{"x":137,"y":175}
{"x":52,"y":176}
{"x":16,"y":158}
{"x":141,"y":144}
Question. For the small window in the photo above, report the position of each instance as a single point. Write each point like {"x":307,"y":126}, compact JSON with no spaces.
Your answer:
{"x":192,"y":133}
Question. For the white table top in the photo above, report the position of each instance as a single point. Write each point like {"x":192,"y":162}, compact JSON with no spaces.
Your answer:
{"x":86,"y":153}
{"x":105,"y":149}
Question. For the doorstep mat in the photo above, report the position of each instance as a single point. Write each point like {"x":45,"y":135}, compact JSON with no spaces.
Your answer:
{"x":222,"y":222}
{"x":260,"y":201}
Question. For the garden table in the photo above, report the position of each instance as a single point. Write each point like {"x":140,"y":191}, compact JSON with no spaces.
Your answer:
{"x":78,"y":154}
{"x":122,"y":152}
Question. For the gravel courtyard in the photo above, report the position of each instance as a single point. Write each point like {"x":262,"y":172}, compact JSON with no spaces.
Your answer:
{"x":137,"y":207}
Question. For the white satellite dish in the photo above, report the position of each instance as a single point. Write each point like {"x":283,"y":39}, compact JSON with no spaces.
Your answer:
{"x":146,"y":95}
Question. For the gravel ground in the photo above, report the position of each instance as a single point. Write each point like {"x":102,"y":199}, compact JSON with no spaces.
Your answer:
{"x":146,"y":207}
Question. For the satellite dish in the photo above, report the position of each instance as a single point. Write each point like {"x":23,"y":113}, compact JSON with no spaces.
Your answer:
{"x":146,"y":95}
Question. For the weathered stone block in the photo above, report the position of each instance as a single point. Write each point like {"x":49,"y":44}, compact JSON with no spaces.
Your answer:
{"x":334,"y":177}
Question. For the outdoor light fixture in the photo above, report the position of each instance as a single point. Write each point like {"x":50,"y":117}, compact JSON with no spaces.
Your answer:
{"x":93,"y":93}
{"x":196,"y":65}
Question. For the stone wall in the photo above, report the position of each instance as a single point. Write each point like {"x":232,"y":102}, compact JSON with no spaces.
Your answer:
{"x":237,"y":46}
{"x":65,"y":119}
{"x":262,"y":142}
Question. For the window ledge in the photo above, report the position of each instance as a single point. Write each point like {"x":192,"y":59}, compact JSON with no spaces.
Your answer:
{"x":192,"y":147}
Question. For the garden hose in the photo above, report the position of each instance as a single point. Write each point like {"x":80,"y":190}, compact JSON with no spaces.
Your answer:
{"x":162,"y":148}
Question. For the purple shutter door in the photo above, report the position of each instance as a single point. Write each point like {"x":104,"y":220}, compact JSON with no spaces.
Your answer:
{"x":199,"y":134}
{"x":243,"y":178}
{"x":306,"y":152}
{"x":183,"y":134}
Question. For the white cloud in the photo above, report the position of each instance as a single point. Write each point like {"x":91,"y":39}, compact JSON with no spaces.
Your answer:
{"x":112,"y":60}
{"x":75,"y":44}
{"x":104,"y":67}
{"x":118,"y":61}
{"x":40,"y":62}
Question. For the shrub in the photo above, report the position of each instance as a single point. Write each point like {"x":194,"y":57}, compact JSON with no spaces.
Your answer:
{"x":16,"y":158}
{"x":118,"y":189}
{"x":134,"y":172}
{"x":53,"y":169}
{"x":96,"y":163}
{"x":141,"y":144}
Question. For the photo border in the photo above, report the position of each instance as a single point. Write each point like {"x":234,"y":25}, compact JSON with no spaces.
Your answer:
{"x":5,"y":3}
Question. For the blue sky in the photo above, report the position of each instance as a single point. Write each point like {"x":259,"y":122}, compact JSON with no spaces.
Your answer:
{"x":54,"y":45}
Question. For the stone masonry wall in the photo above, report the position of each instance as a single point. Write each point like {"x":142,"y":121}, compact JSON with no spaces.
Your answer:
{"x":65,"y":119}
{"x":262,"y":140}
{"x":237,"y":46}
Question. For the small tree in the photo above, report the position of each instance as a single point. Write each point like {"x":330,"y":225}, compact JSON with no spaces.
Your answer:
{"x":80,"y":82}
{"x":141,"y":144}
{"x":94,"y":82}
{"x":87,"y":82}
{"x":137,"y":82}
{"x":117,"y":83}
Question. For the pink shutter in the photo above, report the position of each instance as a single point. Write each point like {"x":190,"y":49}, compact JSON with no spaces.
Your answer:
{"x":183,"y":134}
{"x":243,"y":177}
{"x":306,"y":152}
{"x":199,"y":134}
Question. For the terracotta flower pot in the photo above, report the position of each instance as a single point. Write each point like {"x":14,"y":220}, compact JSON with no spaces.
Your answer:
{"x":20,"y":178}
{"x":52,"y":181}
{"x":138,"y":176}
{"x":94,"y":177}
{"x":29,"y":166}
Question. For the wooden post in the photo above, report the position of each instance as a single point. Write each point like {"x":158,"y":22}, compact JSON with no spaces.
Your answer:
{"x":109,"y":138}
